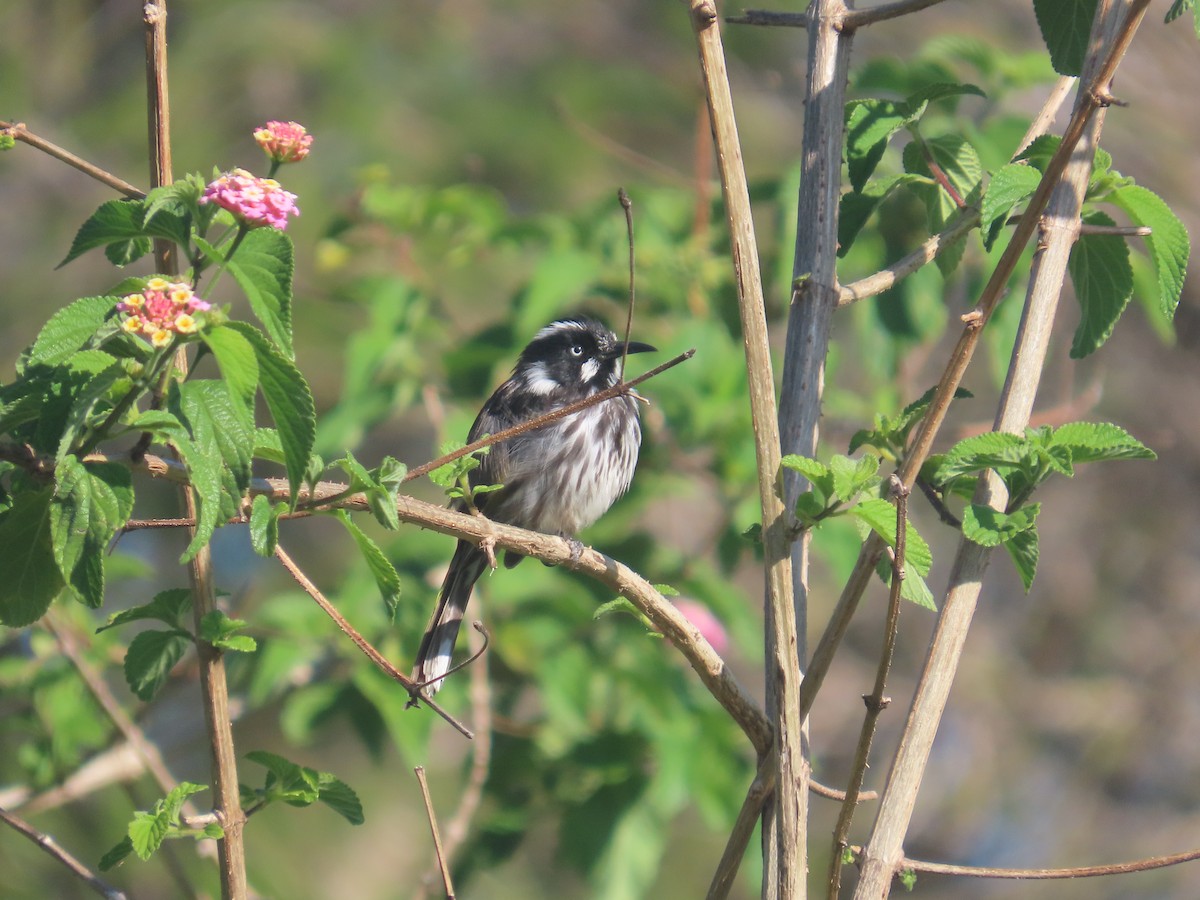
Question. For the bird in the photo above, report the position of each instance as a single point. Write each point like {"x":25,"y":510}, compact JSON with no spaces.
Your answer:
{"x":557,"y":479}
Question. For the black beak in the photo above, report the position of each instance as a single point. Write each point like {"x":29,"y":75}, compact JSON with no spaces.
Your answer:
{"x":620,"y":348}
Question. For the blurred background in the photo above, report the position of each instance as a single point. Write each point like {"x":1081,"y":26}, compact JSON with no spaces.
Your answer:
{"x":461,"y":194}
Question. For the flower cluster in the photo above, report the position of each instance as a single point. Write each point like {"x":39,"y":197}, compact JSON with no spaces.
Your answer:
{"x":255,"y":201}
{"x":284,"y":142}
{"x":164,"y":308}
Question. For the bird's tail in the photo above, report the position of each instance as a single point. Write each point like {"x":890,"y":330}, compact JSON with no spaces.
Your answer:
{"x":437,"y":645}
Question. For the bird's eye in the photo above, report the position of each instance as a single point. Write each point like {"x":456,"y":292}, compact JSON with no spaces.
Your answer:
{"x":577,"y":350}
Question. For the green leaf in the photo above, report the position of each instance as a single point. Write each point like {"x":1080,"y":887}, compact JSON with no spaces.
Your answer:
{"x":219,"y":424}
{"x":92,"y":502}
{"x":236,"y":358}
{"x":913,"y":588}
{"x":941,"y":90}
{"x":623,"y":605}
{"x":264,"y":525}
{"x":29,"y":575}
{"x":1099,"y":441}
{"x":1023,"y":550}
{"x":166,"y":607}
{"x":1012,"y":184}
{"x":1178,"y":8}
{"x":1065,"y":26}
{"x":992,"y":449}
{"x":263,"y":266}
{"x":851,"y":476}
{"x":1167,"y":242}
{"x":856,"y":207}
{"x":148,"y":830}
{"x":1103,"y":280}
{"x":150,"y":658}
{"x":381,"y":568}
{"x":812,"y":470}
{"x":880,"y":515}
{"x":289,"y":401}
{"x":869,"y":124}
{"x":221,"y":631}
{"x":293,"y":784}
{"x":116,"y":855}
{"x":121,"y":223}
{"x":164,"y":426}
{"x":989,"y":527}
{"x":69,"y":329}
{"x":340,"y":797}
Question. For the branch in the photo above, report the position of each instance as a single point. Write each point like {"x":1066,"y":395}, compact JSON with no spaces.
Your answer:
{"x":1125,"y":868}
{"x":19,"y":132}
{"x":784,"y":640}
{"x":876,"y":702}
{"x":361,"y":642}
{"x":48,"y":844}
{"x":442,"y":863}
{"x":857,"y":18}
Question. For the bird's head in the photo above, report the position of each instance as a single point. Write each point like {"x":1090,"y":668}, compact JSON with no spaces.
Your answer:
{"x":573,"y":355}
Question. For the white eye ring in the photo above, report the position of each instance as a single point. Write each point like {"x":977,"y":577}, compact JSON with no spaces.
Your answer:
{"x":577,"y":350}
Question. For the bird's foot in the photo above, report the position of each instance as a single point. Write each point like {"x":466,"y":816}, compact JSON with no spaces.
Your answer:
{"x":577,"y":549}
{"x":488,"y":546}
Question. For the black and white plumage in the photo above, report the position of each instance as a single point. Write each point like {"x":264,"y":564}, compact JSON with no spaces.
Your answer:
{"x":559,"y":478}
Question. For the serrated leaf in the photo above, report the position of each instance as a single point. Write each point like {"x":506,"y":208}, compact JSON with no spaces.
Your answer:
{"x":989,"y":450}
{"x":880,"y":515}
{"x":989,"y":527}
{"x":1098,"y":441}
{"x":856,"y":207}
{"x":811,"y":469}
{"x":868,"y":126}
{"x":913,"y":588}
{"x":957,"y":159}
{"x":289,"y":401}
{"x":147,"y":832}
{"x":264,"y":525}
{"x":164,"y":426}
{"x":150,"y":658}
{"x":621,"y":605}
{"x":263,"y":265}
{"x":293,"y":784}
{"x":166,"y":607}
{"x":1103,"y":280}
{"x":1012,"y":184}
{"x":114,"y":381}
{"x":940,"y":90}
{"x":219,"y":424}
{"x":29,"y":576}
{"x":340,"y":797}
{"x":221,"y":631}
{"x":69,"y":329}
{"x":1178,"y":8}
{"x":92,"y":501}
{"x":237,"y":360}
{"x":1065,"y":27}
{"x":1168,"y":241}
{"x":381,"y":568}
{"x":1023,"y":550}
{"x":121,"y":222}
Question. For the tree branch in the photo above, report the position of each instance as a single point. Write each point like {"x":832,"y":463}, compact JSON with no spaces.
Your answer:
{"x":19,"y":132}
{"x":50,"y":846}
{"x":1125,"y":868}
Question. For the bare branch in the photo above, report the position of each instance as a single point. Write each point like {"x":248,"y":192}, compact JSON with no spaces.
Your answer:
{"x":857,"y":18}
{"x":1125,"y":868}
{"x":48,"y":844}
{"x":437,"y":838}
{"x":361,"y":642}
{"x":19,"y":132}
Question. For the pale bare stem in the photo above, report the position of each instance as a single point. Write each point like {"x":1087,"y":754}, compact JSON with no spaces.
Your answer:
{"x":1111,"y":32}
{"x":358,"y":640}
{"x":442,"y":863}
{"x":857,"y":18}
{"x":743,"y":828}
{"x":876,"y":701}
{"x":1048,"y":113}
{"x":1125,"y":868}
{"x":214,"y":688}
{"x":769,"y":19}
{"x":786,"y":843}
{"x":18,"y":131}
{"x":50,"y":846}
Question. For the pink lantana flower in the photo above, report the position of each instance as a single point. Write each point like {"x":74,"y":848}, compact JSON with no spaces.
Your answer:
{"x":706,"y":623}
{"x":255,"y":201}
{"x":284,"y":142}
{"x":163,"y":308}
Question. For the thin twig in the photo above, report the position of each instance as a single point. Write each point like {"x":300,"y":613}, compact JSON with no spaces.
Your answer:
{"x":361,"y":642}
{"x":50,"y":846}
{"x":877,"y":701}
{"x":627,"y":206}
{"x":437,"y":838}
{"x":857,"y":18}
{"x":19,"y":132}
{"x":1125,"y":868}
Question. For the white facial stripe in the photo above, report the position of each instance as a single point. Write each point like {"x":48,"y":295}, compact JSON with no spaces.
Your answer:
{"x":589,"y":369}
{"x":538,"y":380}
{"x":557,"y":328}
